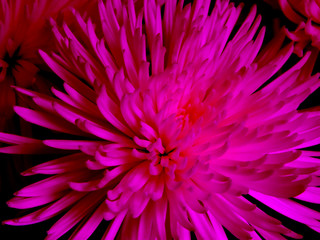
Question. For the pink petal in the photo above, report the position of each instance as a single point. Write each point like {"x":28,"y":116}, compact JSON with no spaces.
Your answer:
{"x":46,"y":120}
{"x":84,"y":231}
{"x":68,"y":77}
{"x":72,"y":144}
{"x":69,"y":163}
{"x":311,"y":194}
{"x":290,"y":209}
{"x":25,"y":202}
{"x":114,"y":227}
{"x":74,"y":215}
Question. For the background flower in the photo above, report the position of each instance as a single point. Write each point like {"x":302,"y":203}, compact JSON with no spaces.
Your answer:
{"x":174,"y":123}
{"x":307,"y":15}
{"x":25,"y":28}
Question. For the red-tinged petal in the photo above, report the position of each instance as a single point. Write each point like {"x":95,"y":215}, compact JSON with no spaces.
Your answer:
{"x":89,"y":186}
{"x":47,"y":212}
{"x":219,"y":232}
{"x":181,"y":216}
{"x":157,"y":55}
{"x":213,"y":185}
{"x":145,"y":226}
{"x":289,"y":208}
{"x":161,"y":210}
{"x":104,"y":132}
{"x":52,"y":185}
{"x":158,"y":192}
{"x":132,"y":226}
{"x":310,"y":138}
{"x":114,"y":227}
{"x":264,"y":221}
{"x":141,"y":142}
{"x":311,"y":194}
{"x":138,"y":203}
{"x":43,"y":100}
{"x":74,"y":215}
{"x":282,"y":190}
{"x":129,"y":62}
{"x":111,"y":112}
{"x":85,"y":230}
{"x":63,"y":97}
{"x":115,"y":172}
{"x":69,"y":77}
{"x":110,"y":25}
{"x":246,"y":24}
{"x":27,"y":148}
{"x":148,"y":131}
{"x":81,"y":101}
{"x":183,"y":232}
{"x":270,"y":235}
{"x":282,"y":158}
{"x":168,"y":17}
{"x":69,"y":163}
{"x":57,"y":207}
{"x":240,"y":202}
{"x":111,"y":162}
{"x":72,"y":114}
{"x":118,"y":205}
{"x":232,"y":222}
{"x":138,"y":177}
{"x":289,"y":12}
{"x":30,"y":202}
{"x":46,"y":120}
{"x":15,"y":139}
{"x":72,"y":144}
{"x":130,"y":112}
{"x":27,"y":219}
{"x":203,"y":226}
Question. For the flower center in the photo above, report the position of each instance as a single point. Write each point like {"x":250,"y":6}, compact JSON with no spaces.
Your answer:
{"x":8,"y":63}
{"x":161,"y":159}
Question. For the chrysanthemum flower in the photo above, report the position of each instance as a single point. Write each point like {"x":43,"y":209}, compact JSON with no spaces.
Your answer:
{"x":24,"y":28}
{"x":172,"y":127}
{"x":307,"y":15}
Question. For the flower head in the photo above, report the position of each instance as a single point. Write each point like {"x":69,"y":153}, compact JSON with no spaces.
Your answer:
{"x":173,"y":126}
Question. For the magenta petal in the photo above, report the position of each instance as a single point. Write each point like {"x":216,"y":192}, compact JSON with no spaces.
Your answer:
{"x":286,"y":207}
{"x":69,"y":163}
{"x":312,"y":194}
{"x":114,"y":227}
{"x":74,"y":215}
{"x":25,"y":202}
{"x":67,"y":76}
{"x":70,"y":144}
{"x":14,"y":139}
{"x":45,"y":120}
{"x":84,"y":231}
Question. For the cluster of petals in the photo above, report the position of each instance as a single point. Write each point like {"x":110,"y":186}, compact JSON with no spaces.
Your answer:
{"x":307,"y":15}
{"x":171,"y":127}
